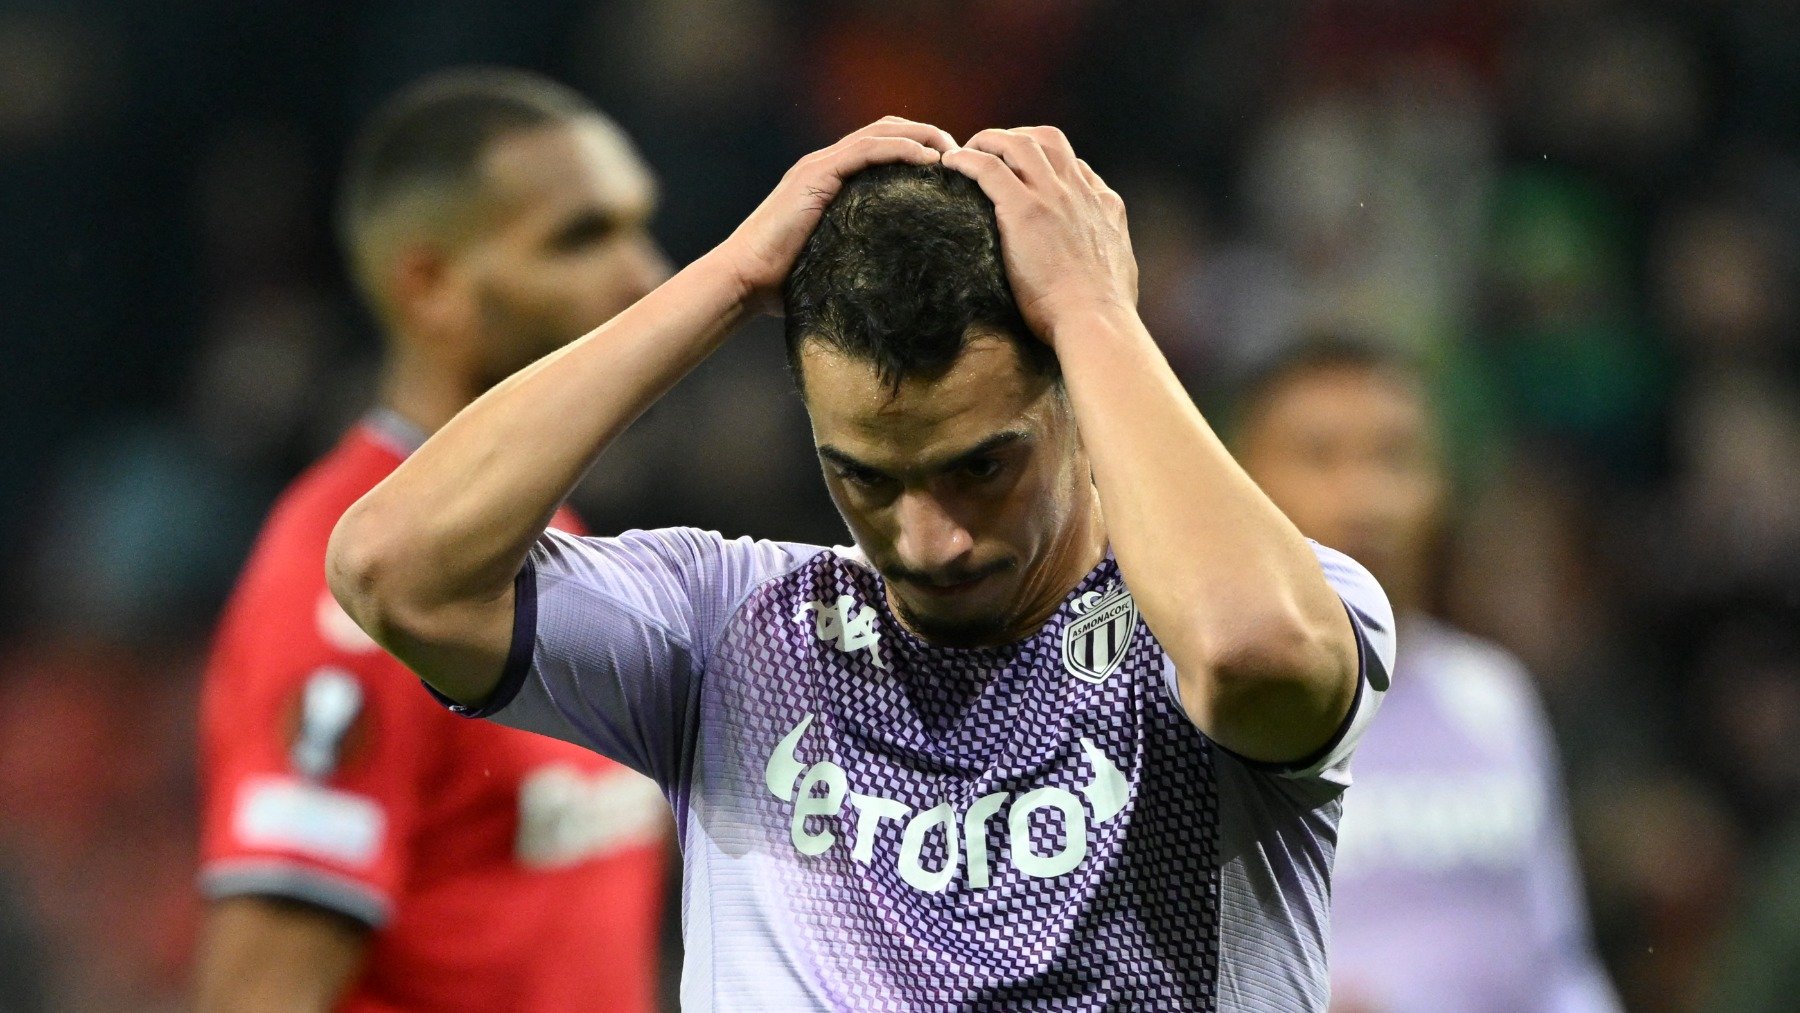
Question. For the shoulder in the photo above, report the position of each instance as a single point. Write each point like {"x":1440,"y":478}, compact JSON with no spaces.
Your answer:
{"x":281,"y":606}
{"x":697,"y":562}
{"x":1465,"y":657}
{"x":292,"y":540}
{"x":1479,"y":680}
{"x":686,"y":583}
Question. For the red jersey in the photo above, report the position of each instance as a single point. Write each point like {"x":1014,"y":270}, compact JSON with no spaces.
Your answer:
{"x":501,"y":870}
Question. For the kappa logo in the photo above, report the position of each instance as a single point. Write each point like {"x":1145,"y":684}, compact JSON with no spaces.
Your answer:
{"x":966,"y":836}
{"x":850,"y":629}
{"x":1094,"y":642}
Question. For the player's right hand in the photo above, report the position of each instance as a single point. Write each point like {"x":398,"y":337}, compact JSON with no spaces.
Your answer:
{"x":762,"y":251}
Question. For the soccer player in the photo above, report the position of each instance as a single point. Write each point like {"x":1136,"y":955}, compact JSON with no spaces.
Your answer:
{"x":362,"y":848}
{"x":1065,"y":729}
{"x":1456,"y":887}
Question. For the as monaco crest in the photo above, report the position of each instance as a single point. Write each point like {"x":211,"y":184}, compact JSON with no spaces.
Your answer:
{"x":1094,"y":642}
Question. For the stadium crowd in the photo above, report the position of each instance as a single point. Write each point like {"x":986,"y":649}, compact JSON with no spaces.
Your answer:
{"x":1583,"y":215}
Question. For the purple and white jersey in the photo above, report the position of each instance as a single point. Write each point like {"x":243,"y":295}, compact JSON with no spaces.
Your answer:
{"x":873,"y":823}
{"x":1456,"y":886}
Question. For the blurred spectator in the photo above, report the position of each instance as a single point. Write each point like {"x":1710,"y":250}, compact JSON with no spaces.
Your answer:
{"x":1574,"y":359}
{"x":1663,"y":861}
{"x":962,"y":65}
{"x":1455,"y":885}
{"x":1617,"y":89}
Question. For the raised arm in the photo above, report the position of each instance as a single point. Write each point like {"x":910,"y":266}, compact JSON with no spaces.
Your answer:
{"x":426,"y":561}
{"x":1264,"y":648}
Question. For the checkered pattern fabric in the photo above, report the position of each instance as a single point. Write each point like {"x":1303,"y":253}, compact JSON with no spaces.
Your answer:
{"x":870,"y":822}
{"x":1133,"y":926}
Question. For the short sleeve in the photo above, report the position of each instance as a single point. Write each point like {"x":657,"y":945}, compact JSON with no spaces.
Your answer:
{"x":314,"y":746}
{"x":611,"y":636}
{"x":1372,"y":622}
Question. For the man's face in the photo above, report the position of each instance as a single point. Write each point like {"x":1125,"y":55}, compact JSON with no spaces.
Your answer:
{"x":967,"y":490}
{"x":1350,"y":455}
{"x":566,"y":244}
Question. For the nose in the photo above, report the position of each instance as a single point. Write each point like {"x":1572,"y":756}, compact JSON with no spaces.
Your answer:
{"x":931,"y":539}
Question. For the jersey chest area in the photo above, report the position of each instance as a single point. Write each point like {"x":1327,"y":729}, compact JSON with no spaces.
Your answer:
{"x":923,"y":769}
{"x":986,"y":829}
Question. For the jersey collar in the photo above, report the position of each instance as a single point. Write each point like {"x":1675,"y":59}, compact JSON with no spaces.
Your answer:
{"x":390,"y":429}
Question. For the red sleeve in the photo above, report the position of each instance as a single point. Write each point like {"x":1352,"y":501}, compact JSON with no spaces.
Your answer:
{"x":315,"y":744}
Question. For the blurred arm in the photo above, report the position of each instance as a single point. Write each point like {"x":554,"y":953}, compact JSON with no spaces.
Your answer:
{"x":269,"y":955}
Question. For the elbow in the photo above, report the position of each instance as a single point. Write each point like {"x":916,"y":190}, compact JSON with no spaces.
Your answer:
{"x":1285,"y":648}
{"x":358,"y":570}
{"x":1273,"y":688}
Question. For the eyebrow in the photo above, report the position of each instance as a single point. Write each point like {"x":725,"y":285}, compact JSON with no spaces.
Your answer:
{"x":984,"y":448}
{"x":586,"y":224}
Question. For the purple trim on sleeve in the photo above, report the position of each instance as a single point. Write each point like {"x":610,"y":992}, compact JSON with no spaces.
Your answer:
{"x":518,"y":656}
{"x":1367,"y":668}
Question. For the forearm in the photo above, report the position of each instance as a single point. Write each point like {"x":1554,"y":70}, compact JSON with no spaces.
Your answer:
{"x":456,"y":519}
{"x":267,"y":954}
{"x":1223,"y":578}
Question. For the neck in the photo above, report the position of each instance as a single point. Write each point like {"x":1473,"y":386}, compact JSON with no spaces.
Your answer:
{"x":422,"y":392}
{"x":1077,"y":551}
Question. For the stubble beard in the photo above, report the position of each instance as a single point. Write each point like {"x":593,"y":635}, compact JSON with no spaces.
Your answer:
{"x":978,"y":631}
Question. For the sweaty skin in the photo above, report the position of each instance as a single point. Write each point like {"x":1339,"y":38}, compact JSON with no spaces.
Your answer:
{"x":425,"y":562}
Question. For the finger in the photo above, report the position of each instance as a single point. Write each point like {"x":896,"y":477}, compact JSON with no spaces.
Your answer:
{"x":1108,"y":195}
{"x":857,"y":155}
{"x":1020,"y":152}
{"x":896,"y":126}
{"x":1057,"y":150}
{"x":997,"y":179}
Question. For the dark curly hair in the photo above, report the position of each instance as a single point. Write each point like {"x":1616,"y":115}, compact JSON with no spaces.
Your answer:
{"x":903,"y":265}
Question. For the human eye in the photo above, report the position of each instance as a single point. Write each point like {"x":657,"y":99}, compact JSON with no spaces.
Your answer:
{"x":862,"y":478}
{"x":585,"y":230}
{"x":982,"y":468}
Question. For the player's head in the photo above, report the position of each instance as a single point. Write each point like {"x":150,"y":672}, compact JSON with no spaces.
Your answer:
{"x":946,"y":438}
{"x":1342,"y":436}
{"x":491,"y":215}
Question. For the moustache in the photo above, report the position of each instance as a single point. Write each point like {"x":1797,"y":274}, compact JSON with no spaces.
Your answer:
{"x":947,"y":578}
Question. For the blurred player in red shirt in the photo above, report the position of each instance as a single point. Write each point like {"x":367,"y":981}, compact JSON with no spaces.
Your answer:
{"x":364,"y":849}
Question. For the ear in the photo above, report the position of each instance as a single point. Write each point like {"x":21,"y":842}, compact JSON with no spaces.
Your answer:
{"x":430,"y":297}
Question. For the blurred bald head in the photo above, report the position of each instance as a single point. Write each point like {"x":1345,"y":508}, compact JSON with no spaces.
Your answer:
{"x":496,"y":214}
{"x":415,"y":169}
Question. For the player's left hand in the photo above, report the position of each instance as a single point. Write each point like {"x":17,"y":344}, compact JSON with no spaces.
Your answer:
{"x":1063,"y":234}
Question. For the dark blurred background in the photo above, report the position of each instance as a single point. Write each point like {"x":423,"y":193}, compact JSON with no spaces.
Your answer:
{"x":1583,"y":214}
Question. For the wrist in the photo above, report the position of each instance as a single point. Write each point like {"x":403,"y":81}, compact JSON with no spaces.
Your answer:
{"x":1088,"y":321}
{"x":721,"y":269}
{"x":720,"y":273}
